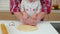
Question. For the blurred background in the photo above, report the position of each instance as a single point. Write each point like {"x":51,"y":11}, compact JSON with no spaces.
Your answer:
{"x":53,"y":16}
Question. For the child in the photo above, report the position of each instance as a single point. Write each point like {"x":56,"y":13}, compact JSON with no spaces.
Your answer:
{"x":31,"y":10}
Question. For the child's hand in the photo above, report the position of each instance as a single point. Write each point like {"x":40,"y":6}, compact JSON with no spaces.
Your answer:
{"x":29,"y":21}
{"x":32,"y":21}
{"x":26,"y":21}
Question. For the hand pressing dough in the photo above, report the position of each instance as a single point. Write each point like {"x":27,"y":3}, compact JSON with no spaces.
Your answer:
{"x":26,"y":28}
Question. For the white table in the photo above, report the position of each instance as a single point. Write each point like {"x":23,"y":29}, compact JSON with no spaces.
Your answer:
{"x":43,"y":28}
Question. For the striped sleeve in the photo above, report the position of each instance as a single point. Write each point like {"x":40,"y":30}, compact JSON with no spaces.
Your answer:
{"x":14,"y":6}
{"x":46,"y":6}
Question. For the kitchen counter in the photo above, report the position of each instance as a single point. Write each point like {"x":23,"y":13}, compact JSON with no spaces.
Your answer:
{"x":52,"y":11}
{"x":55,"y":11}
{"x":43,"y":28}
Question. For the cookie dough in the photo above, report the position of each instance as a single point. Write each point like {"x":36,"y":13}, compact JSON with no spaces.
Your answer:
{"x":26,"y":28}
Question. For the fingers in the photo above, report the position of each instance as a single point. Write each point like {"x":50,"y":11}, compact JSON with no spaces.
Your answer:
{"x":25,"y":22}
{"x":33,"y":24}
{"x":29,"y":21}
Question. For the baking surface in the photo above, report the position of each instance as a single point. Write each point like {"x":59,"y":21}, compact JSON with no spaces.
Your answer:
{"x":43,"y":28}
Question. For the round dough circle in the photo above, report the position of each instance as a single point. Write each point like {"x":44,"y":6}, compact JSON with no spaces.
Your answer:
{"x":26,"y":28}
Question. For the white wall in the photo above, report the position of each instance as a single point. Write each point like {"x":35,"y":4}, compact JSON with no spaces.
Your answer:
{"x":56,"y":2}
{"x":4,"y":4}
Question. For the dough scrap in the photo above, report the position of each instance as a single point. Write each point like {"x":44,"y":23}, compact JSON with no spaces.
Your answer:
{"x":26,"y":28}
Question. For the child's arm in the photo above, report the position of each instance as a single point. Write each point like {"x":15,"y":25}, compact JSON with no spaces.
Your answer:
{"x":46,"y":9}
{"x":41,"y":15}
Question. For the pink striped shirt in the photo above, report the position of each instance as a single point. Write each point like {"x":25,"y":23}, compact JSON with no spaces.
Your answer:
{"x":46,"y":6}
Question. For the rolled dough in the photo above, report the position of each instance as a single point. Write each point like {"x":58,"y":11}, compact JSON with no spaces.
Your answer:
{"x":26,"y":28}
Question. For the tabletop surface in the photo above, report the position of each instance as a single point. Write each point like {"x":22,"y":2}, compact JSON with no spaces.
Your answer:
{"x":43,"y":28}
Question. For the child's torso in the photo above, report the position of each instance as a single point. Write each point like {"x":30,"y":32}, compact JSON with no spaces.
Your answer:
{"x":31,"y":8}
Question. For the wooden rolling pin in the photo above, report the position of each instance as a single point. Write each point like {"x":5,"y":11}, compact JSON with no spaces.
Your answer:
{"x":0,"y":26}
{"x":4,"y":30}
